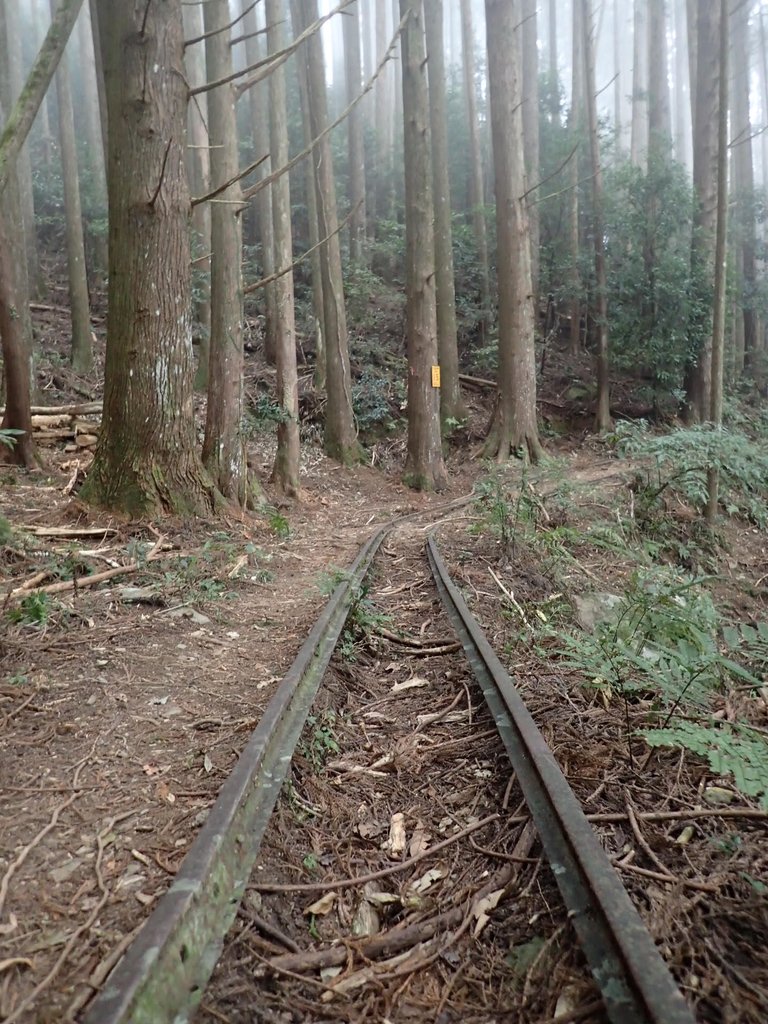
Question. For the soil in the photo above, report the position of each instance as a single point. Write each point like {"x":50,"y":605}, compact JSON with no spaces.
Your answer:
{"x":124,"y":706}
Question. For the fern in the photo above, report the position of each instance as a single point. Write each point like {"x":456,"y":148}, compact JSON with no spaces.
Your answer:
{"x":730,"y":749}
{"x":683,"y":458}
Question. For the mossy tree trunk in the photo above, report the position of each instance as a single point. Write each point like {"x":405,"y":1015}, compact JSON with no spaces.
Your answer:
{"x":146,"y":461}
{"x":340,"y":439}
{"x":452,"y":408}
{"x":285,"y":473}
{"x":224,"y":445}
{"x":424,"y":468}
{"x":81,"y":354}
{"x":514,"y":425}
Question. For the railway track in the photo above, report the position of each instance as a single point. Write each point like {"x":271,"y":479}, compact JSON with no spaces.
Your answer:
{"x":164,"y":974}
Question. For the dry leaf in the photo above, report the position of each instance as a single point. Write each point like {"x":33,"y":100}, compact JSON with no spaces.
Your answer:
{"x":207,"y":763}
{"x":396,"y":842}
{"x":140,"y":857}
{"x":329,"y":973}
{"x":366,"y":921}
{"x":481,"y":910}
{"x":410,"y":684}
{"x":164,"y":793}
{"x":322,"y":906}
{"x":382,"y":898}
{"x":427,"y":880}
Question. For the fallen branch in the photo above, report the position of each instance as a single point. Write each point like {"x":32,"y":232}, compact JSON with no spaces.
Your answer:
{"x":69,"y":531}
{"x":405,"y":936}
{"x":345,"y":883}
{"x":84,"y":409}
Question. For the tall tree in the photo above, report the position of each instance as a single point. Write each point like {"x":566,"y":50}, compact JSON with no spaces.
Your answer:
{"x":603,"y":411}
{"x":553,"y":70}
{"x":452,"y":409}
{"x":146,"y":460}
{"x":576,"y":124}
{"x":719,"y":303}
{"x":639,"y":137}
{"x":531,"y":132}
{"x":340,"y":438}
{"x":18,"y":414}
{"x":424,"y":468}
{"x":223,"y":445}
{"x":514,"y":424}
{"x":476,"y":187}
{"x":659,"y":123}
{"x":384,"y":108}
{"x":706,"y":118}
{"x":79,"y":303}
{"x":199,"y":173}
{"x":355,"y":147}
{"x":743,"y":173}
{"x":285,"y":473}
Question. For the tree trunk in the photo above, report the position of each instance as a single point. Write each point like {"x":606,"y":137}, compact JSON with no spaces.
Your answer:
{"x":531,"y":135}
{"x":683,"y":134}
{"x":603,"y":410}
{"x":743,"y":173}
{"x":554,"y":71}
{"x":22,"y":115}
{"x":23,"y":164}
{"x":340,"y":438}
{"x":17,"y":415}
{"x":384,"y":105}
{"x":576,"y":125}
{"x":720,"y":298}
{"x":318,"y":304}
{"x":424,"y":469}
{"x":659,"y":123}
{"x":639,"y":138}
{"x":355,"y":149}
{"x":79,"y":305}
{"x":476,"y":189}
{"x":514,"y":423}
{"x":259,"y":118}
{"x":198,"y":160}
{"x":146,"y":460}
{"x":285,"y":473}
{"x":706,"y":93}
{"x":452,"y":409}
{"x":94,"y":147}
{"x":223,"y":445}
{"x":101,"y":89}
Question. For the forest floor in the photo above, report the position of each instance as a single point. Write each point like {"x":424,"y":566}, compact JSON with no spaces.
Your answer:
{"x":123,"y":706}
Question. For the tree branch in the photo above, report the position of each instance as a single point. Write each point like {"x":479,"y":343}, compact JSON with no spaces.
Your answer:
{"x":226,"y":28}
{"x":31,"y":96}
{"x":222,"y":188}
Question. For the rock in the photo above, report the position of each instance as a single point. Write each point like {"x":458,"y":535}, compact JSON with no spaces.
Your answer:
{"x":596,"y":608}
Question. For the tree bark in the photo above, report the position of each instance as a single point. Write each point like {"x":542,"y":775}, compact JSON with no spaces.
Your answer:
{"x":576,"y":125}
{"x":285,"y":473}
{"x":424,"y":468}
{"x":706,"y":93}
{"x":198,"y":160}
{"x":223,"y":444}
{"x":146,"y":460}
{"x":514,"y":423}
{"x":22,"y":116}
{"x":340,"y":439}
{"x":94,"y":146}
{"x":355,"y":148}
{"x":683,"y":120}
{"x":603,"y":410}
{"x":554,"y":71}
{"x":476,"y":188}
{"x":17,"y":414}
{"x":452,"y":408}
{"x":81,"y":356}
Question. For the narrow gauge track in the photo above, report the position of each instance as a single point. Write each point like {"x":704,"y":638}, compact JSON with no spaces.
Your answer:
{"x":163,"y":976}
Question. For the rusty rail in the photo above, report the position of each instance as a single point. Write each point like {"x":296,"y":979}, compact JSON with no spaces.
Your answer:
{"x":635,"y":983}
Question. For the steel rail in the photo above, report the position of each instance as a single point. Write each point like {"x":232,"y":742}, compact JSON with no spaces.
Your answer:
{"x":161,"y":978}
{"x":636,"y":985}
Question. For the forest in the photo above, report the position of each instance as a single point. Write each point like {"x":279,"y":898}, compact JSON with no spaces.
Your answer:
{"x":277,"y":273}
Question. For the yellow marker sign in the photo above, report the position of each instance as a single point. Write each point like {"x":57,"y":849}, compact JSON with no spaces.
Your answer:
{"x":435,"y":376}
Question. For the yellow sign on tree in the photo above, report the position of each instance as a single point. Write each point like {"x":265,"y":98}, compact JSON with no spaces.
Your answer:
{"x":435,"y":376}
